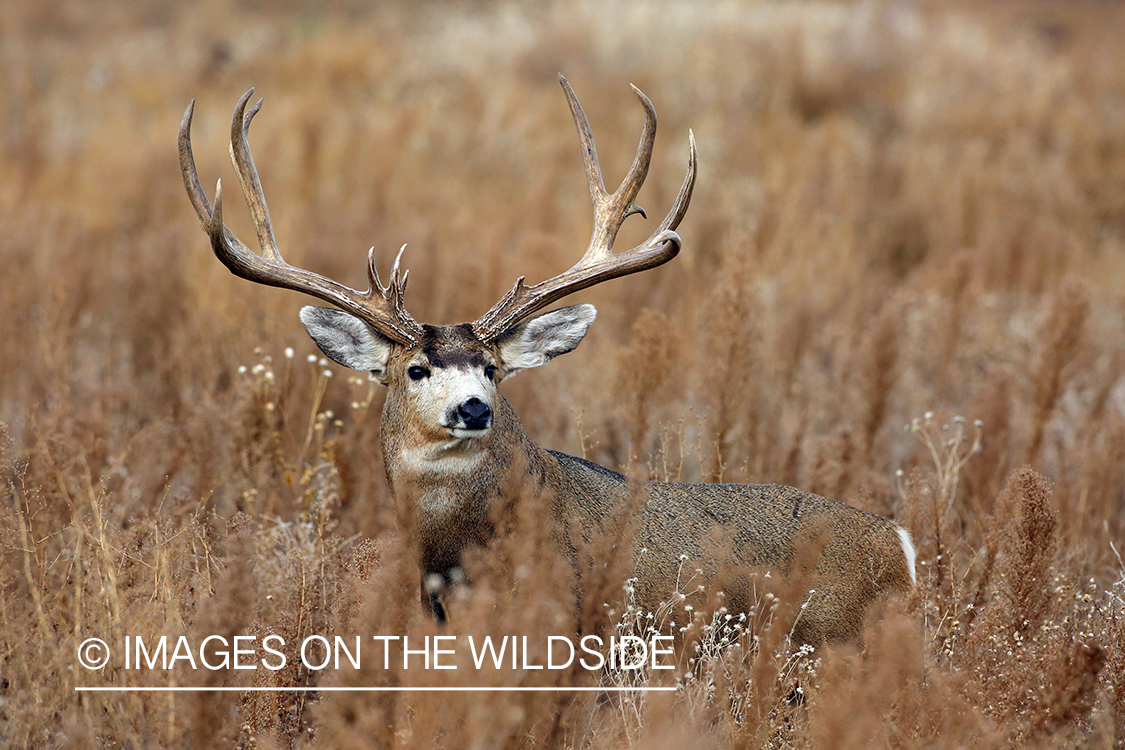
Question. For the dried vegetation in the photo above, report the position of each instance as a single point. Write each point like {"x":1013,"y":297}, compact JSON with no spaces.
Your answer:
{"x":903,"y":209}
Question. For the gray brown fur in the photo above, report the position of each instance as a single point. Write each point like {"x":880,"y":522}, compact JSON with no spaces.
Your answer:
{"x":765,"y":525}
{"x":452,"y":443}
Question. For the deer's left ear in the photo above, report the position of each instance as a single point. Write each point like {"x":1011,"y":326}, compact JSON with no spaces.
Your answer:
{"x":538,"y":340}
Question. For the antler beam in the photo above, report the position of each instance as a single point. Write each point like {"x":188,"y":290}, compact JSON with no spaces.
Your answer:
{"x":380,"y":306}
{"x":600,"y":263}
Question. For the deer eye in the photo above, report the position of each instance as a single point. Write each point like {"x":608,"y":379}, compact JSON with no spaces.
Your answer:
{"x":418,"y":372}
{"x":490,"y":372}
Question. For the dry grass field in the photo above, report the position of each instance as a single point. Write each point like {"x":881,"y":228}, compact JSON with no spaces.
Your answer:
{"x":902,"y":285}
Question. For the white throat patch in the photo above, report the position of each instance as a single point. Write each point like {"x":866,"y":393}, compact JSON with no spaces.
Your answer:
{"x":453,"y":456}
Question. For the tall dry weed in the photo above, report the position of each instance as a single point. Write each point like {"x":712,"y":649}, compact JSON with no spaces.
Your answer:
{"x":901,"y":208}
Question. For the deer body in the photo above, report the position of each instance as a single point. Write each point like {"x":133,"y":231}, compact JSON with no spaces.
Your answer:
{"x":452,"y":444}
{"x":447,"y":489}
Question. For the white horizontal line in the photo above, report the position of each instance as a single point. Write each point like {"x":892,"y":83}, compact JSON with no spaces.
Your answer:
{"x":227,"y":689}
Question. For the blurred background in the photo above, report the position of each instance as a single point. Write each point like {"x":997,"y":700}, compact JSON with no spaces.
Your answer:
{"x":902,"y":208}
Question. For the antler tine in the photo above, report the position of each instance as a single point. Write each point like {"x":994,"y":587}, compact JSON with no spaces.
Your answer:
{"x":372,"y":272}
{"x":187,"y":168}
{"x":381,"y":307}
{"x":638,"y":170}
{"x":586,"y":140}
{"x":243,"y":162}
{"x":610,"y":211}
{"x":395,"y":280}
{"x":599,"y":263}
{"x":683,"y":198}
{"x":199,"y":198}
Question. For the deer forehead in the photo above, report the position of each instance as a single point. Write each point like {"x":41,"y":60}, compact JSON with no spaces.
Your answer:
{"x":450,"y":347}
{"x":456,"y":359}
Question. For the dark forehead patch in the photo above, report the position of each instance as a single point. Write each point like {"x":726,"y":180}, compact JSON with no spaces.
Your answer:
{"x":453,"y":346}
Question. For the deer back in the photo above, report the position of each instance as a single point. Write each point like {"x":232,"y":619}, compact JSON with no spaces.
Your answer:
{"x":735,"y":535}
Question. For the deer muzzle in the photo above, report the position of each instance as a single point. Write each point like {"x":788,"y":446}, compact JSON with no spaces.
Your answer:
{"x":474,"y":415}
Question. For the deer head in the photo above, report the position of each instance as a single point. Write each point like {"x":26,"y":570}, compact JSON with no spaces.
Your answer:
{"x":444,"y":378}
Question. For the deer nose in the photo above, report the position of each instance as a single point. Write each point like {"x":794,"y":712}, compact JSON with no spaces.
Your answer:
{"x":475,"y":414}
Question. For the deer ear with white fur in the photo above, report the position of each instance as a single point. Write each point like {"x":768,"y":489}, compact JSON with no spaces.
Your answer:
{"x":347,"y":340}
{"x":538,"y":340}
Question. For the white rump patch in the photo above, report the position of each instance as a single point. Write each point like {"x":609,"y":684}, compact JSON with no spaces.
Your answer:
{"x":908,"y":550}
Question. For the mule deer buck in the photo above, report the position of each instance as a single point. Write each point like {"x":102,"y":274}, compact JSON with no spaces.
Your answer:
{"x":451,"y":441}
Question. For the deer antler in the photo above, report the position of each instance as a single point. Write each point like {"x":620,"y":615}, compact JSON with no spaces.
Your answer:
{"x":600,"y":263}
{"x":380,"y":306}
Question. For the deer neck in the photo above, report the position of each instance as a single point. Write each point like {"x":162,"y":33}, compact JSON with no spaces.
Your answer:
{"x":440,"y":475}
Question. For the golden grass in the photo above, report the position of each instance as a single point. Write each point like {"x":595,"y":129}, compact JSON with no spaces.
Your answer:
{"x":902,"y":209}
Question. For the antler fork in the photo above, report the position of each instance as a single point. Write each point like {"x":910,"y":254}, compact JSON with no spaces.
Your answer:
{"x":380,"y":306}
{"x":600,"y":263}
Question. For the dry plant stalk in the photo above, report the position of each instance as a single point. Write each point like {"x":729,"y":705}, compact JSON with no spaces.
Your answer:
{"x":905,"y":207}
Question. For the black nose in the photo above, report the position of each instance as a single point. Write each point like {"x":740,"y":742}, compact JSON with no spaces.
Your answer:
{"x":475,"y":414}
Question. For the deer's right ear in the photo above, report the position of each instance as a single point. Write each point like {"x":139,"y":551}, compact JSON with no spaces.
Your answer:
{"x":347,"y":340}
